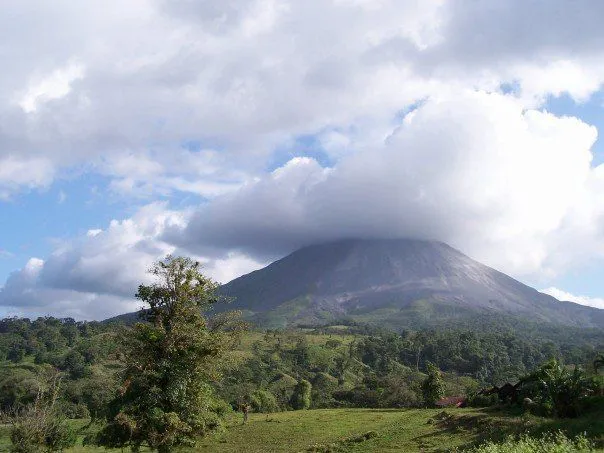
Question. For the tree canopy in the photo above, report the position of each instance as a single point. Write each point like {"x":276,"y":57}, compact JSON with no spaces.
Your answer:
{"x":166,"y":398}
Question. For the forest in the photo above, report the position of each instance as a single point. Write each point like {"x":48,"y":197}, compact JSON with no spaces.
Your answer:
{"x":101,"y":371}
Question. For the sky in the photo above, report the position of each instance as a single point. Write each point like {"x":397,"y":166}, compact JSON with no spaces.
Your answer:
{"x":237,"y":131}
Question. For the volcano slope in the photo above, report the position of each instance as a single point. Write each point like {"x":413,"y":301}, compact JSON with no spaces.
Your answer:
{"x":397,"y":283}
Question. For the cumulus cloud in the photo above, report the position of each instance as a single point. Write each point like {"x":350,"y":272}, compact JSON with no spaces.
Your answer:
{"x":96,"y":275}
{"x":405,"y":98}
{"x":86,"y":85}
{"x":568,"y":297}
{"x":17,"y":172}
{"x":473,"y":169}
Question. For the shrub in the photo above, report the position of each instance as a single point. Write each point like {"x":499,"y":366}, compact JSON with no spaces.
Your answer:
{"x":263,"y":401}
{"x":558,"y":390}
{"x":283,"y":387}
{"x":433,"y":387}
{"x":37,"y":428}
{"x":301,"y":397}
{"x":550,"y":443}
{"x":483,"y":400}
{"x":323,"y":386}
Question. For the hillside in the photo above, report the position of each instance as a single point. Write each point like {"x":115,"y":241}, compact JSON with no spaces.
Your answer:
{"x":398,"y":282}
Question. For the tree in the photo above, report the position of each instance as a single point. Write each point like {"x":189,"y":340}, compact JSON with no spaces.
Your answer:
{"x":598,"y":362}
{"x":557,"y":389}
{"x":433,"y":387}
{"x":166,"y":399}
{"x":40,"y":425}
{"x":301,"y":396}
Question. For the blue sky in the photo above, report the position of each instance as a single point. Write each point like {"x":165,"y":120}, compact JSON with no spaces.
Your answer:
{"x":239,"y":132}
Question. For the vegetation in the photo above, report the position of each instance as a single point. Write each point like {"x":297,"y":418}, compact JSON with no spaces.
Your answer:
{"x":558,"y":390}
{"x":550,"y":443}
{"x":178,"y":375}
{"x":433,"y":387}
{"x":40,"y":425}
{"x":301,"y":396}
{"x":165,"y":398}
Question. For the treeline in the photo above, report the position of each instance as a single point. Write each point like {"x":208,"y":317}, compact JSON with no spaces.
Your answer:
{"x":345,"y":365}
{"x":85,"y":353}
{"x":364,"y":367}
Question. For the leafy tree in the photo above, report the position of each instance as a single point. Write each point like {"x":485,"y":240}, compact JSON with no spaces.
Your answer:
{"x":433,"y":387}
{"x":598,"y":362}
{"x":75,"y":364}
{"x":556,"y":388}
{"x":166,"y":399}
{"x":263,"y":401}
{"x":301,"y":396}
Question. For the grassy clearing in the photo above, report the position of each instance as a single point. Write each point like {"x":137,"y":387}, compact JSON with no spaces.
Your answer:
{"x":397,"y":430}
{"x":384,"y":430}
{"x":374,"y":430}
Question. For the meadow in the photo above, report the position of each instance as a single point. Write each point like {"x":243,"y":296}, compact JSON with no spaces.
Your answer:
{"x":373,"y":430}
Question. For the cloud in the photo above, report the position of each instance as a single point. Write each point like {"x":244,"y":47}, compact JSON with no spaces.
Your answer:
{"x":568,"y":297}
{"x":17,"y":172}
{"x":473,"y":169}
{"x":53,"y":86}
{"x":404,"y":98}
{"x":96,"y":275}
{"x":512,"y":187}
{"x":91,"y":88}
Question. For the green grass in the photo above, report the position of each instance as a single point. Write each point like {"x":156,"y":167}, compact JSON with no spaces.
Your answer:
{"x":397,"y":430}
{"x":404,"y":430}
{"x":374,"y":430}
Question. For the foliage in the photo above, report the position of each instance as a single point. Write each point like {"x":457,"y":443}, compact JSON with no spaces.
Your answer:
{"x":433,"y":387}
{"x":598,"y":362}
{"x":166,"y":399}
{"x":550,"y":443}
{"x":349,"y":365}
{"x":40,"y":425}
{"x":302,"y":395}
{"x":263,"y":401}
{"x":557,"y":389}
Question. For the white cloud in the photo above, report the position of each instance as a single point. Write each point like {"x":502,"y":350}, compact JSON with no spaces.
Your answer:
{"x":472,"y":169}
{"x":17,"y":172}
{"x":241,"y":77}
{"x":196,"y":96}
{"x":96,"y":275}
{"x":568,"y":297}
{"x":53,"y":86}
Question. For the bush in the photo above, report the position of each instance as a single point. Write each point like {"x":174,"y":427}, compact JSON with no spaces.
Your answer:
{"x":37,"y":428}
{"x":283,"y":387}
{"x":550,"y":443}
{"x":263,"y":401}
{"x":358,"y":397}
{"x":483,"y":400}
{"x":433,"y":387}
{"x":557,"y":390}
{"x":323,"y":386}
{"x":301,"y":397}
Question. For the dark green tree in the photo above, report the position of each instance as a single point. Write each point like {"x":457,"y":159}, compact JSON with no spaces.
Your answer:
{"x":166,"y":399}
{"x":302,"y":395}
{"x":558,"y":389}
{"x":433,"y":387}
{"x":598,"y":362}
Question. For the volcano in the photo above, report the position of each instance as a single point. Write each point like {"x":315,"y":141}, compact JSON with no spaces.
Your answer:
{"x":397,"y":283}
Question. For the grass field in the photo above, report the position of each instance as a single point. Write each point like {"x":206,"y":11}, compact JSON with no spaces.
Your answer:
{"x":394,"y":430}
{"x":372,"y":430}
